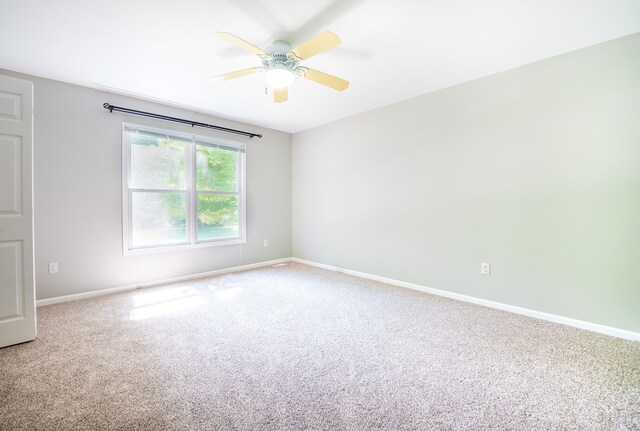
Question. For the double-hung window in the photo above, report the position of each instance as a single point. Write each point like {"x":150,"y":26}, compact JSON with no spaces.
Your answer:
{"x":181,"y":190}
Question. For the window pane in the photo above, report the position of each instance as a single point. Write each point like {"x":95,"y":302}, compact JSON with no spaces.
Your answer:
{"x":216,"y":169}
{"x":156,"y":163}
{"x":158,"y":218}
{"x":218,"y":216}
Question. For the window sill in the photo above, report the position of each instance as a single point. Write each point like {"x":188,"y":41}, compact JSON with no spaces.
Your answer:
{"x":177,"y":247}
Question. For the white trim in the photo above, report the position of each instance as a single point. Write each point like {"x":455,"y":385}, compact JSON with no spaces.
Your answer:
{"x":242,"y":179}
{"x":594,"y":327}
{"x":151,"y":249}
{"x":83,"y":295}
{"x":126,"y":195}
{"x":190,"y":142}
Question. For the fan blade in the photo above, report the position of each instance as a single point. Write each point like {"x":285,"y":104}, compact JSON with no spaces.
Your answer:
{"x":241,"y":43}
{"x":322,"y":42}
{"x":326,"y":79}
{"x":280,"y":94}
{"x":236,"y":74}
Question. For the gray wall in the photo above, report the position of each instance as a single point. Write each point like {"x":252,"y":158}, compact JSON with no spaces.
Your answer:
{"x":78,"y":218}
{"x":535,"y":170}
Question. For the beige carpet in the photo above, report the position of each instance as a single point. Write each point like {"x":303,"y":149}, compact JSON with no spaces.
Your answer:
{"x":295,"y":347}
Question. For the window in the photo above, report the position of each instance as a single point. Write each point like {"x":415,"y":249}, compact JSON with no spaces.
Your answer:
{"x":180,"y":190}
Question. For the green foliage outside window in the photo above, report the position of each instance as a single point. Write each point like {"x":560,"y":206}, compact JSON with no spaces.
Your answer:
{"x":216,"y":170}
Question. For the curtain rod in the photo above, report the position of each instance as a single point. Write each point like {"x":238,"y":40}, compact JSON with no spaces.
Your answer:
{"x":112,"y":108}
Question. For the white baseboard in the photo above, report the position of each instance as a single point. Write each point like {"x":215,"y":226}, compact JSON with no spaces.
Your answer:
{"x":602,"y":329}
{"x":76,"y":296}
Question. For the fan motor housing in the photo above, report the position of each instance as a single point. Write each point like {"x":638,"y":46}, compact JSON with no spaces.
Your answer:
{"x":281,"y":57}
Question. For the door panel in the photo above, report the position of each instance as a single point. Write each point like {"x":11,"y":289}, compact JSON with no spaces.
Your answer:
{"x":10,"y":106}
{"x":17,"y":280}
{"x":10,"y":175}
{"x":11,"y":300}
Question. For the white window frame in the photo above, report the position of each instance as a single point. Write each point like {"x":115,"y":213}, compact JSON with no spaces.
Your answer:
{"x":190,"y":191}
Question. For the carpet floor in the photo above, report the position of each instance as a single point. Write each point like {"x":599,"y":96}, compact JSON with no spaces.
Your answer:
{"x":296,"y":347}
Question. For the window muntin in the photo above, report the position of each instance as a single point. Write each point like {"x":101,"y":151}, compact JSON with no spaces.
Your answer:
{"x":181,"y":190}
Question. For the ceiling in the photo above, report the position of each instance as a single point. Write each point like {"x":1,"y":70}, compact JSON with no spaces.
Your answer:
{"x":391,"y":49}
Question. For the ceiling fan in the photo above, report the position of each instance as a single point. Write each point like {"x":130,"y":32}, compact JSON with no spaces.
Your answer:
{"x":281,"y":64}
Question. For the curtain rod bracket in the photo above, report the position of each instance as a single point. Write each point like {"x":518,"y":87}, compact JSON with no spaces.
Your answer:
{"x":112,"y":108}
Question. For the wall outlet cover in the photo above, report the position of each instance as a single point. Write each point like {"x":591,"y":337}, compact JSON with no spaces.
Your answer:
{"x":485,"y":268}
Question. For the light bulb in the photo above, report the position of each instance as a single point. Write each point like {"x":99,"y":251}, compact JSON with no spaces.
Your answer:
{"x":279,"y":77}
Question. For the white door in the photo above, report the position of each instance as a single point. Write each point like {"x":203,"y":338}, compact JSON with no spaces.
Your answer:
{"x":17,"y":288}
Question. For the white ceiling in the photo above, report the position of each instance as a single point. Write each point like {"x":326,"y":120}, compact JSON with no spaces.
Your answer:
{"x":391,"y":49}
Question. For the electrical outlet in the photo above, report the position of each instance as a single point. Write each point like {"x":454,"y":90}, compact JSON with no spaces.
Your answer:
{"x":266,"y":243}
{"x":485,"y":268}
{"x":53,"y":267}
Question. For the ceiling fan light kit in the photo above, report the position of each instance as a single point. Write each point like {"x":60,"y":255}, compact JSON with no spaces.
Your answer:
{"x":279,"y":77}
{"x":281,"y":64}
